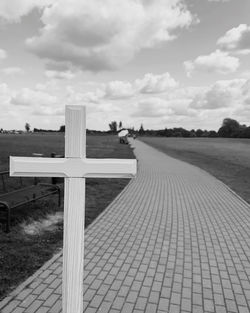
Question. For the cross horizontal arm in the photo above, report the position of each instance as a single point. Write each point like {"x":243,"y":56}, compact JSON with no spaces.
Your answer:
{"x":110,"y":168}
{"x":72,"y":167}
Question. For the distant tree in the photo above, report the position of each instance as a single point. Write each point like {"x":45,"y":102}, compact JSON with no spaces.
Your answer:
{"x":161,"y":132}
{"x":245,"y":132}
{"x":199,"y":132}
{"x":185,"y":133}
{"x":141,"y":130}
{"x":229,"y":122}
{"x":177,"y":132}
{"x":212,"y":133}
{"x":1,"y":131}
{"x":205,"y":133}
{"x":113,"y":126}
{"x":27,"y":127}
{"x":120,"y":124}
{"x":192,"y":133}
{"x":131,"y":129}
{"x":62,"y":129}
{"x":229,"y":128}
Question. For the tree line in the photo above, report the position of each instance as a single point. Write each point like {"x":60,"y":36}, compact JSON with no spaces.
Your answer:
{"x":230,"y":128}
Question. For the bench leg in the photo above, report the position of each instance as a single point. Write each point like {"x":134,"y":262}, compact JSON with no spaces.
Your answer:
{"x":6,"y":208}
{"x":59,"y":197}
{"x":8,"y":219}
{"x":58,"y":191}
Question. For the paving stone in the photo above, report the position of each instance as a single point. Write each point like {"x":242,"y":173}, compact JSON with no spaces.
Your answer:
{"x":151,"y":308}
{"x":43,"y":310}
{"x":243,"y":309}
{"x":18,"y":310}
{"x":57,"y":307}
{"x":220,"y":309}
{"x":197,"y":309}
{"x":105,"y":307}
{"x":208,"y":305}
{"x":33,"y":307}
{"x":96,"y":301}
{"x":174,"y":308}
{"x":186,"y":304}
{"x":127,"y":308}
{"x":163,"y":304}
{"x":10,"y":307}
{"x":28,"y":300}
{"x":118,"y":303}
{"x":111,"y":294}
{"x":141,"y":303}
{"x":51,"y":300}
{"x":132,"y":296}
{"x":23,"y":294}
{"x":45,"y":294}
{"x":39,"y":289}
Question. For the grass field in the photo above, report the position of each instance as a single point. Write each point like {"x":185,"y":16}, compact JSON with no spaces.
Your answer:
{"x":36,"y":232}
{"x":226,"y":159}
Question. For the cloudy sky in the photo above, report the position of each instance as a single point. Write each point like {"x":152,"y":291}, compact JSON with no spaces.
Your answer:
{"x":163,"y":63}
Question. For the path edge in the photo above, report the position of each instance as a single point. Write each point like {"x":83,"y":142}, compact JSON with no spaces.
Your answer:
{"x":202,"y":170}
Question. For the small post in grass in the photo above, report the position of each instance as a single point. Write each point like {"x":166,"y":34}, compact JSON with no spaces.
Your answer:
{"x":75,"y":167}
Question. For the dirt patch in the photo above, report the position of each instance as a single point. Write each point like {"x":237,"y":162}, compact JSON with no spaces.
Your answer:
{"x":50,"y":223}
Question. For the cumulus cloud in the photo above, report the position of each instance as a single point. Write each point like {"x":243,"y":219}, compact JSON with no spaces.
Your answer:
{"x":236,"y":39}
{"x":156,"y":83}
{"x":149,"y":84}
{"x":118,"y":90}
{"x":105,"y":34}
{"x":74,"y":97}
{"x":13,"y":10}
{"x":222,"y":94}
{"x":28,"y":97}
{"x":219,"y":61}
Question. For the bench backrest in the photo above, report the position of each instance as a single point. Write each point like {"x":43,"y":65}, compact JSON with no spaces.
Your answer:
{"x":8,"y":183}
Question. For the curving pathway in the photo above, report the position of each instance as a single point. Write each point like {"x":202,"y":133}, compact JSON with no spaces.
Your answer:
{"x":175,"y":240}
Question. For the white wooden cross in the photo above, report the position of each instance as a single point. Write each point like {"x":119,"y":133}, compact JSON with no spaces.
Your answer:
{"x":75,"y":167}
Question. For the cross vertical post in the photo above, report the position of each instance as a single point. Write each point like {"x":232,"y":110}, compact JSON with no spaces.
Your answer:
{"x":74,"y":213}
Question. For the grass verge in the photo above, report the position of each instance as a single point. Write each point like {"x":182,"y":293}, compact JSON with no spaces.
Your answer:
{"x":225,"y":158}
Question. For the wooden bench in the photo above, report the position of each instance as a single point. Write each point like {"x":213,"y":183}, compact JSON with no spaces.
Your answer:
{"x":10,"y":200}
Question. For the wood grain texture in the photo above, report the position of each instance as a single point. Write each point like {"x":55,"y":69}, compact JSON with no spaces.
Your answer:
{"x":73,"y":245}
{"x":75,"y":131}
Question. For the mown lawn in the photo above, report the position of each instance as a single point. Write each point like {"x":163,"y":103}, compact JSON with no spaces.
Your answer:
{"x":32,"y":240}
{"x":226,"y":159}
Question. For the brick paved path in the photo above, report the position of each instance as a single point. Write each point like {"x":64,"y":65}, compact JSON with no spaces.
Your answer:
{"x":175,"y":240}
